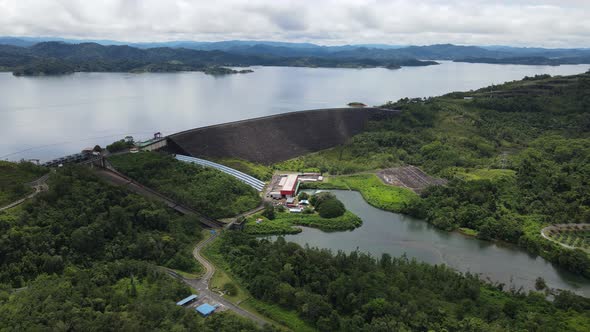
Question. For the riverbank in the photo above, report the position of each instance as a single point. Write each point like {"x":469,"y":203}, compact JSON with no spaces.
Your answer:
{"x":285,"y":222}
{"x":373,"y":190}
{"x":498,"y":262}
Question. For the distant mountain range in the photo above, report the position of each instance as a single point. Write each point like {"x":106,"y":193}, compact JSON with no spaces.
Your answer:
{"x":53,"y":58}
{"x":31,"y":55}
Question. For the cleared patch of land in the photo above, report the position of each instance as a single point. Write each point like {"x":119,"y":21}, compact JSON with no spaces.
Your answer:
{"x":410,"y":177}
{"x":573,"y":236}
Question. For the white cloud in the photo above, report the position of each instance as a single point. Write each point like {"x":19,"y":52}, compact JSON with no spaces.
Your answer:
{"x":563,"y":23}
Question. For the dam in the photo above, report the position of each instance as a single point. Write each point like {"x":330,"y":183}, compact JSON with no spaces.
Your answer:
{"x":275,"y":138}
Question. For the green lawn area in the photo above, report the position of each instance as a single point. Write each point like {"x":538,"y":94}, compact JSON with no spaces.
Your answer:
{"x":284,"y":317}
{"x":484,"y":174}
{"x":373,"y":190}
{"x":13,"y":176}
{"x":284,"y":223}
{"x":258,"y":171}
{"x":468,"y":231}
{"x":207,"y":190}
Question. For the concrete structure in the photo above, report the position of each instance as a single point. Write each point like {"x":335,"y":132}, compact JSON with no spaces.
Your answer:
{"x":276,"y":138}
{"x":205,"y":309}
{"x":187,"y":300}
{"x":247,"y":179}
{"x":152,"y":144}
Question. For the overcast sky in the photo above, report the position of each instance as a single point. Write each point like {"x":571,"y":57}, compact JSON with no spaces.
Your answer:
{"x":549,"y":23}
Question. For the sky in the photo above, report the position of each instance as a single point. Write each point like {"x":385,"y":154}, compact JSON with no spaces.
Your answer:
{"x":546,"y":23}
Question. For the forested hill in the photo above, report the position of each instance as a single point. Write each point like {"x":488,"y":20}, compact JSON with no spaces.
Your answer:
{"x":307,"y":54}
{"x":83,"y":257}
{"x":60,"y":58}
{"x":517,"y":157}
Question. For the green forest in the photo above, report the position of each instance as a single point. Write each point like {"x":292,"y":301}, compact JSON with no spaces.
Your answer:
{"x":357,"y":292}
{"x":83,"y":256}
{"x":517,"y":156}
{"x":209,"y":191}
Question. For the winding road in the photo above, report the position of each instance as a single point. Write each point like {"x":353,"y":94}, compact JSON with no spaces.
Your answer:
{"x":38,"y":186}
{"x":202,"y":284}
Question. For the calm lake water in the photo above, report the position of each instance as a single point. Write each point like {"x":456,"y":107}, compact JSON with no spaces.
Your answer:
{"x":396,"y":234}
{"x":47,"y":117}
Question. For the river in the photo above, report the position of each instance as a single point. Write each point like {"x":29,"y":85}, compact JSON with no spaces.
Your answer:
{"x":396,"y":234}
{"x":47,"y":117}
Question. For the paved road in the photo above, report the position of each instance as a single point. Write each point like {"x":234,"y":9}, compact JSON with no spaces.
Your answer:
{"x":202,"y":284}
{"x":38,"y":186}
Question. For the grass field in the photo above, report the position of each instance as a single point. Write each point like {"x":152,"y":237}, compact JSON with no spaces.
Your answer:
{"x":13,"y":176}
{"x":284,"y":317}
{"x":484,"y":174}
{"x":258,"y":171}
{"x":373,"y":190}
{"x":284,"y":223}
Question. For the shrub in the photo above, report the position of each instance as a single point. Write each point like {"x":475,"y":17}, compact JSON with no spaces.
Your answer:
{"x":269,"y":211}
{"x":230,"y":289}
{"x":317,"y":199}
{"x":303,"y":196}
{"x":331,"y":208}
{"x":119,"y":146}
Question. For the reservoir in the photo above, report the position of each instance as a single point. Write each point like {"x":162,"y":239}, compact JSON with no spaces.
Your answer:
{"x":396,"y":234}
{"x":47,"y":117}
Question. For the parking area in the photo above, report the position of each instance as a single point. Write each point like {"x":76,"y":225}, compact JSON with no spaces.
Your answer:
{"x":202,"y":299}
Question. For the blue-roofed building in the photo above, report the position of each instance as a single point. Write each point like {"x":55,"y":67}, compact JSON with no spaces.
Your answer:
{"x":187,"y":300}
{"x":205,"y":309}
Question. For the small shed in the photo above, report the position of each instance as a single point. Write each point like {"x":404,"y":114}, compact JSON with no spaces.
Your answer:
{"x":187,"y":300}
{"x":205,"y":309}
{"x":290,"y":200}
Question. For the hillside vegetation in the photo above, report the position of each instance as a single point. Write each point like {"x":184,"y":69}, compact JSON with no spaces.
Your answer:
{"x":517,"y":156}
{"x":357,"y":292}
{"x":209,"y":191}
{"x":86,"y":254}
{"x":13,"y":177}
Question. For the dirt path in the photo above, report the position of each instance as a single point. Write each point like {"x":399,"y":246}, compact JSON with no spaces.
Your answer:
{"x":565,"y":227}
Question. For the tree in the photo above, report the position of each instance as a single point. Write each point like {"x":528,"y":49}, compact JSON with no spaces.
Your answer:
{"x":269,"y":211}
{"x":230,"y":289}
{"x":540,"y":284}
{"x":331,"y":208}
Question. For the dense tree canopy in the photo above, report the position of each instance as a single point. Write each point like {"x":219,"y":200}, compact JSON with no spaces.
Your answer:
{"x":517,"y":155}
{"x":85,"y":253}
{"x":356,"y":292}
{"x":207,"y":190}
